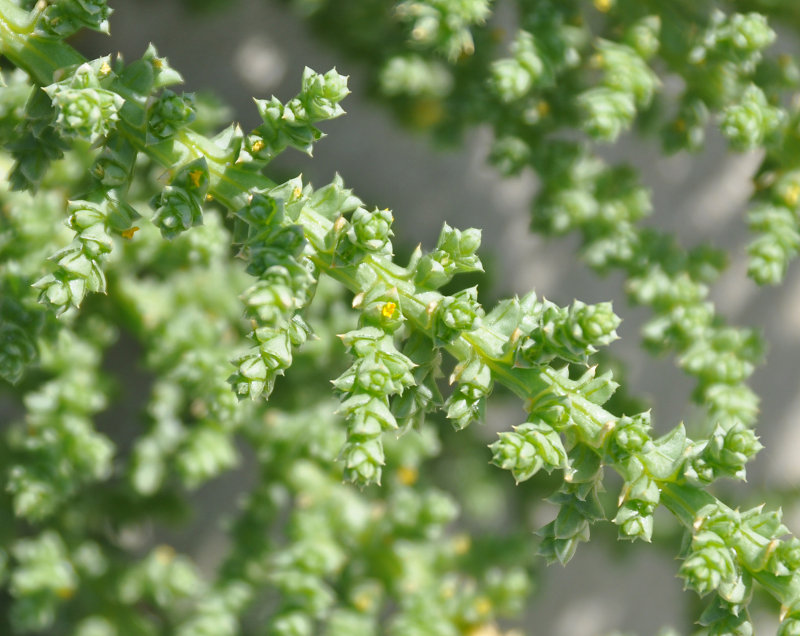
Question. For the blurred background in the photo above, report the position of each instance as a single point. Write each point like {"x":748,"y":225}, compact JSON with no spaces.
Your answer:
{"x":256,"y":48}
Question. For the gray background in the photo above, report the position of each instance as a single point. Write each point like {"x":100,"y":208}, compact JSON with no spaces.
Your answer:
{"x":257,"y":48}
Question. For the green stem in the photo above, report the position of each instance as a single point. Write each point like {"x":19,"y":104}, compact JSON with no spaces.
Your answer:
{"x":39,"y":57}
{"x":684,"y":502}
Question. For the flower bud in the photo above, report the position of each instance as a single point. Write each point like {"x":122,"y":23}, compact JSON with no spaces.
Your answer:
{"x":62,"y":289}
{"x":635,"y":520}
{"x":371,"y":231}
{"x":17,"y":351}
{"x":531,"y":447}
{"x":723,"y":617}
{"x":373,"y":377}
{"x":321,"y":94}
{"x":64,"y":17}
{"x":779,"y":240}
{"x":176,"y":210}
{"x":455,"y":253}
{"x":44,"y":575}
{"x":571,"y":334}
{"x":178,"y":206}
{"x":709,"y":564}
{"x":457,"y":313}
{"x":84,"y":109}
{"x":644,"y":36}
{"x":250,"y":378}
{"x":789,"y":554}
{"x":509,"y":154}
{"x":444,"y":26}
{"x":272,"y":299}
{"x":466,"y":404}
{"x":632,"y":433}
{"x":382,"y":307}
{"x":510,"y":80}
{"x":606,"y":112}
{"x":595,"y":324}
{"x":749,"y":31}
{"x":292,"y":624}
{"x":363,"y":461}
{"x":167,"y":114}
{"x":731,"y":450}
{"x":626,"y":72}
{"x":84,"y":214}
{"x":698,"y":470}
{"x":749,"y":122}
{"x":789,"y":626}
{"x":508,"y":588}
{"x":415,"y":76}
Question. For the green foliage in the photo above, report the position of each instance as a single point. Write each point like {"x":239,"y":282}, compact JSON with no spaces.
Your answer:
{"x":232,"y":281}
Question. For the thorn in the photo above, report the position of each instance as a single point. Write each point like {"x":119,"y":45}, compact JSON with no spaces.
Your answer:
{"x":771,"y":548}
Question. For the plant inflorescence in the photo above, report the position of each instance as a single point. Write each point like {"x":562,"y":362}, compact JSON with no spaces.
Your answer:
{"x":129,"y":210}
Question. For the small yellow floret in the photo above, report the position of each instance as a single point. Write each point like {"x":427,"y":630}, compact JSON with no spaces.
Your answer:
{"x":483,"y":605}
{"x":426,"y":112}
{"x":65,"y":592}
{"x":602,"y":5}
{"x":461,"y":544}
{"x":448,"y":590}
{"x":128,"y":234}
{"x":792,"y":194}
{"x":407,"y":475}
{"x":486,"y":629}
{"x":543,"y":108}
{"x":362,"y":602}
{"x":105,"y":69}
{"x":195,"y":176}
{"x":258,"y":145}
{"x":388,"y":309}
{"x":164,"y":554}
{"x":466,"y":50}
